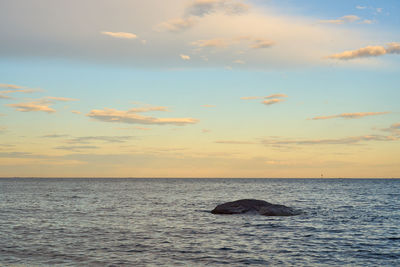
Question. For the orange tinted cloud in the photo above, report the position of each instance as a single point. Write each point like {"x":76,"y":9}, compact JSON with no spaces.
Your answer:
{"x":113,"y":115}
{"x":351,"y":115}
{"x":369,"y":51}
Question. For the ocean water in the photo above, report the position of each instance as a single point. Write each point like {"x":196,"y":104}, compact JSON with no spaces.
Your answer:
{"x":166,"y":222}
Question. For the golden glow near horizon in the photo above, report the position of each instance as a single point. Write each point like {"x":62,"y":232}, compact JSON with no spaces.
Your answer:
{"x":218,"y":88}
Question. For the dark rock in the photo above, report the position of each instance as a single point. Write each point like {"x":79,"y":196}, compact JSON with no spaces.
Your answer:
{"x":254,"y":206}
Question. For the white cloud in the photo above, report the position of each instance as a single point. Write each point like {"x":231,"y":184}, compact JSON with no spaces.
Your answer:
{"x":184,"y":57}
{"x":299,"y":41}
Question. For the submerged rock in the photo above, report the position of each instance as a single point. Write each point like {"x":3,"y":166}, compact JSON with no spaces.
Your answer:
{"x":254,"y":206}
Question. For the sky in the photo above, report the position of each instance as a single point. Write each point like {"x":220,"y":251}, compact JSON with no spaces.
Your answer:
{"x":200,"y":88}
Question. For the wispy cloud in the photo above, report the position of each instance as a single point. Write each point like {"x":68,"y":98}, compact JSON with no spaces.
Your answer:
{"x":332,"y":141}
{"x":55,"y":136}
{"x":272,"y":101}
{"x":76,"y":148}
{"x":201,"y":8}
{"x":221,"y":43}
{"x":42,"y":104}
{"x":276,"y":96}
{"x":10,"y":86}
{"x":76,"y":112}
{"x":369,"y":51}
{"x":62,"y":99}
{"x":208,"y":106}
{"x":281,"y":142}
{"x":235,"y":142}
{"x":263,"y":97}
{"x":356,"y":115}
{"x":132,"y":116}
{"x":262,"y":43}
{"x":361,"y":7}
{"x":121,"y":35}
{"x":176,"y":25}
{"x":342,"y":20}
{"x":104,"y":139}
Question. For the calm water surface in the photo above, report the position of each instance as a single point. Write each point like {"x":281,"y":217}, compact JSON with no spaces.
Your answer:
{"x":165,"y":222}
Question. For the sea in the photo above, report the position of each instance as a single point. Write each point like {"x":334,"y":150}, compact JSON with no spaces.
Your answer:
{"x":167,"y":222}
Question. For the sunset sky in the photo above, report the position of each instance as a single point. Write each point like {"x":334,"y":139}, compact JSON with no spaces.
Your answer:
{"x":199,"y":88}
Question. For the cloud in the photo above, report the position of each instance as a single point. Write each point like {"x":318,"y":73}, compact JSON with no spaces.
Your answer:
{"x":10,"y":86}
{"x":261,"y":43}
{"x":333,"y":141}
{"x":395,"y":126}
{"x":369,"y":51}
{"x":239,"y":61}
{"x":263,"y":97}
{"x":75,"y":148}
{"x":342,"y":20}
{"x":202,"y":8}
{"x":113,"y":115}
{"x":221,"y":43}
{"x":42,"y":104}
{"x":176,"y":25}
{"x":279,"y":142}
{"x":361,"y":7}
{"x":148,"y":108}
{"x":214,"y":19}
{"x":234,"y":142}
{"x":4,"y":96}
{"x":272,"y":101}
{"x":105,"y":139}
{"x":208,"y":106}
{"x":184,"y":57}
{"x":63,"y":99}
{"x":356,"y":115}
{"x":367,"y":21}
{"x":276,"y":96}
{"x":393,"y":129}
{"x":75,"y":111}
{"x":33,"y":106}
{"x":122,"y":35}
{"x":55,"y":136}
